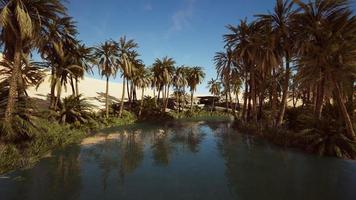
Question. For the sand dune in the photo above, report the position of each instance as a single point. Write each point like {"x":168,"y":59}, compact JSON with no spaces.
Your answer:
{"x":90,"y":88}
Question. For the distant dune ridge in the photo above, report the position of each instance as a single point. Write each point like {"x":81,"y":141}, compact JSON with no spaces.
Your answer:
{"x":91,"y":88}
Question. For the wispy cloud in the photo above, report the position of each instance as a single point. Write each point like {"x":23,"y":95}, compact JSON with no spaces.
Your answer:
{"x":148,"y":7}
{"x":181,"y":18}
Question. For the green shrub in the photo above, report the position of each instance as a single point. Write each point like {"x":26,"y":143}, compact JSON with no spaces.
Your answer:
{"x":51,"y":135}
{"x":75,"y":110}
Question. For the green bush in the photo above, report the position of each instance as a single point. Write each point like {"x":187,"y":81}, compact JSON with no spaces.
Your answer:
{"x":51,"y":135}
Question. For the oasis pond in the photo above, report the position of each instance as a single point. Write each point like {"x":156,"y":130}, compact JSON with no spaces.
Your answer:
{"x":180,"y":160}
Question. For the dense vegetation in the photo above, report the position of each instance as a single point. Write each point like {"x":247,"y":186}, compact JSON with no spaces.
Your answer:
{"x":43,"y":27}
{"x":297,"y":67}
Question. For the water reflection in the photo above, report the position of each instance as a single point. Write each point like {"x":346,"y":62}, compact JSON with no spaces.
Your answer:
{"x":59,"y":176}
{"x":115,"y":156}
{"x":187,"y":160}
{"x":161,"y":147}
{"x":189,"y":135}
{"x":256,"y":170}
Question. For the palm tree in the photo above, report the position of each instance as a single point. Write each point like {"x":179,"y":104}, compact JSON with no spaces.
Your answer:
{"x":83,"y":56}
{"x":214,"y":88}
{"x":236,"y":85}
{"x":107,"y":58}
{"x":75,"y":109}
{"x":280,"y":20}
{"x":327,"y":51}
{"x":142,"y":79}
{"x":163,"y":70}
{"x":179,"y":82}
{"x":32,"y":74}
{"x":194,"y":77}
{"x":224,"y":66}
{"x":22,"y":22}
{"x":127,"y":55}
{"x":241,"y":40}
{"x":58,"y":47}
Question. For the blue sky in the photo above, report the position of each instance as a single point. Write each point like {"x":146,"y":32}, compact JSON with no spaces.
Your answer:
{"x":190,"y":31}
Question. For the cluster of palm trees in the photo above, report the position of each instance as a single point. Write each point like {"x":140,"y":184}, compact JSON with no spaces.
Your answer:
{"x":301,"y":51}
{"x":43,"y":27}
{"x":113,"y":57}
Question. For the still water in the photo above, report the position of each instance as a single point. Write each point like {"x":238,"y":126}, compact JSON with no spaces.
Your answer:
{"x":182,"y":160}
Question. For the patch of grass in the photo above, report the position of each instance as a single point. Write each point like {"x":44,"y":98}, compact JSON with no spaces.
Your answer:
{"x":25,"y":154}
{"x":201,"y":115}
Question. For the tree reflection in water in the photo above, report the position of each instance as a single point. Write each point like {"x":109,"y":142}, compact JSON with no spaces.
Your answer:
{"x":175,"y":137}
{"x":161,"y":146}
{"x":58,"y":176}
{"x":188,"y":160}
{"x":121,"y":155}
{"x":189,"y":135}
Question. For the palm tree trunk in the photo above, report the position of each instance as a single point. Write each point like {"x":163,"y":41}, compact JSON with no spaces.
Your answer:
{"x":260,"y":98}
{"x":107,"y":97}
{"x":134,"y":93}
{"x":52,"y":95}
{"x":159,"y":94}
{"x":142,"y":98}
{"x":13,"y":83}
{"x":319,"y":99}
{"x":131,"y":94}
{"x":244,"y":107}
{"x":248,"y":114}
{"x":164,"y":99}
{"x":179,"y":101}
{"x":253,"y":94}
{"x":229,"y":93}
{"x":72,"y":85}
{"x":53,"y":88}
{"x":227,"y":102}
{"x":191,"y":101}
{"x":167,"y":99}
{"x":349,"y":128}
{"x":237,"y":103}
{"x":274,"y":97}
{"x":59,"y":92}
{"x":285,"y":93}
{"x":122,"y":96}
{"x":77,"y":85}
{"x":154,"y":96}
{"x":128,"y":90}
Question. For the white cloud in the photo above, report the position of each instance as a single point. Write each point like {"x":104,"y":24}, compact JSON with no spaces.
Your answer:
{"x":181,"y":18}
{"x":148,"y":7}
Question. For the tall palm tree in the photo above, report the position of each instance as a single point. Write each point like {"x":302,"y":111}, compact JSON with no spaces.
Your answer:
{"x":57,"y":47}
{"x":83,"y":57}
{"x":127,"y":56}
{"x":195,"y":76}
{"x":241,"y":40}
{"x":214,"y":88}
{"x":107,"y":57}
{"x":179,"y":82}
{"x":236,"y":86}
{"x":327,"y":50}
{"x":280,"y":21}
{"x":224,"y":66}
{"x":22,"y":22}
{"x":142,"y":79}
{"x":163,"y":70}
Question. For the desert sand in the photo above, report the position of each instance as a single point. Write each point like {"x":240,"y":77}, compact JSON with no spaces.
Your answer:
{"x":92,"y":89}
